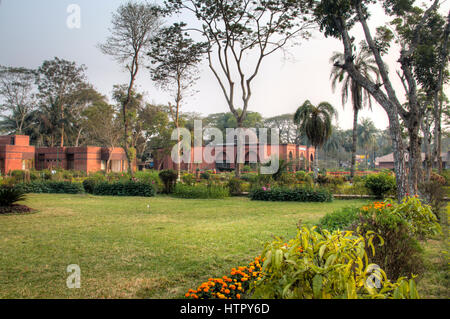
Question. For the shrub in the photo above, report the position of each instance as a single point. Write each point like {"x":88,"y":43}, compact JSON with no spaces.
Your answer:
{"x":150,"y":177}
{"x":169,"y":178}
{"x":341,"y":219}
{"x":18,"y":175}
{"x":205,"y":175}
{"x":380,"y":184}
{"x":399,"y":253}
{"x":201,"y":191}
{"x":124,"y":188}
{"x":51,"y":187}
{"x":89,"y":184}
{"x":422,"y":222}
{"x":283,"y":194}
{"x":434,"y":195}
{"x":188,"y":179}
{"x":323,"y":266}
{"x":235,"y":186}
{"x":400,"y":225}
{"x":10,"y":196}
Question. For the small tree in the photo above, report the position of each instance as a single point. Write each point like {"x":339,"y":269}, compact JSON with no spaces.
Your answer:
{"x":175,"y":58}
{"x":133,"y":25}
{"x":102,"y":125}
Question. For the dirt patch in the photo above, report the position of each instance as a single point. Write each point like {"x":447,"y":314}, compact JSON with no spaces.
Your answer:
{"x":16,"y":209}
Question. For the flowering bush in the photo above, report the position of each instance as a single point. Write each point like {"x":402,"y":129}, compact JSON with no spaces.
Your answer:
{"x":234,"y":286}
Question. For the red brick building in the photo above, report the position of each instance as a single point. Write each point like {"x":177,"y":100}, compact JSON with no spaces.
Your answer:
{"x":17,"y":154}
{"x":300,"y":156}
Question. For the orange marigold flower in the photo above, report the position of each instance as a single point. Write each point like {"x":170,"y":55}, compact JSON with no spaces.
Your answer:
{"x":227,"y":291}
{"x":187,"y":295}
{"x":238,"y":296}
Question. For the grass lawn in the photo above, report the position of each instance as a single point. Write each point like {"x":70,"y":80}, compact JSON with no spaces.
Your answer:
{"x":126,"y":249}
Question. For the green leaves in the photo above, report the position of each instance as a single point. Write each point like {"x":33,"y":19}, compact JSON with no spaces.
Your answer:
{"x":325,"y":265}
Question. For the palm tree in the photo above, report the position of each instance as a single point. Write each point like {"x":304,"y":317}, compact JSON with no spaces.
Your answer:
{"x":367,"y":136}
{"x":315,"y":123}
{"x":367,"y":66}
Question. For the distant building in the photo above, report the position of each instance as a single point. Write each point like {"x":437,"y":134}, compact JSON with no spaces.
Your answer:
{"x":300,"y":156}
{"x":387,"y":161}
{"x":17,"y":154}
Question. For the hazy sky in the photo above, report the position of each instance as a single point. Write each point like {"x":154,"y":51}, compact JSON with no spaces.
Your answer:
{"x":32,"y":31}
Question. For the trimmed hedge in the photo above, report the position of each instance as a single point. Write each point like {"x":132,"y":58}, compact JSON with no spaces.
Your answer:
{"x":51,"y":187}
{"x":128,"y":188}
{"x":291,"y":195}
{"x":201,"y":191}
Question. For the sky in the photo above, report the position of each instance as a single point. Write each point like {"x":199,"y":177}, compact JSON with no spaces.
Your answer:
{"x":32,"y":31}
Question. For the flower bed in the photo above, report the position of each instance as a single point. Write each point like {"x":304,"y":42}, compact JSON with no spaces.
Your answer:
{"x":234,"y":286}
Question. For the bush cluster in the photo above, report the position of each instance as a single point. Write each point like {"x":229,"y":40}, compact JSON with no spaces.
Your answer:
{"x":51,"y":187}
{"x":201,"y":191}
{"x":283,"y":194}
{"x":380,"y":184}
{"x":341,"y":219}
{"x":126,"y":188}
{"x":169,"y":179}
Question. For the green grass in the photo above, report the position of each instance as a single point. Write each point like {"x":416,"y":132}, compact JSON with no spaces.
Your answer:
{"x":435,"y":282}
{"x":127,"y":250}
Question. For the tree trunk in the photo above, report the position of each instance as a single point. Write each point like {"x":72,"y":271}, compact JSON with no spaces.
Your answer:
{"x":354,"y":141}
{"x":427,"y":146}
{"x":316,"y":163}
{"x":238,"y":165}
{"x":399,"y":155}
{"x":415,"y":153}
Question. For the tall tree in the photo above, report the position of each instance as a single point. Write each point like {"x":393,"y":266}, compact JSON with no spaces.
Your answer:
{"x":133,"y":26}
{"x":367,"y":135}
{"x":175,"y":58}
{"x":337,"y":19}
{"x":286,"y":127}
{"x":17,"y":94}
{"x":316,"y":123}
{"x":102,"y":126}
{"x":366,"y":65}
{"x":235,"y":28}
{"x":58,"y":83}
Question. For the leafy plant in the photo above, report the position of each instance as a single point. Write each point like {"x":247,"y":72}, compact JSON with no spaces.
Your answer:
{"x":341,"y":219}
{"x":380,"y":184}
{"x":169,"y":178}
{"x":10,"y":195}
{"x":235,"y":186}
{"x":325,"y":265}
